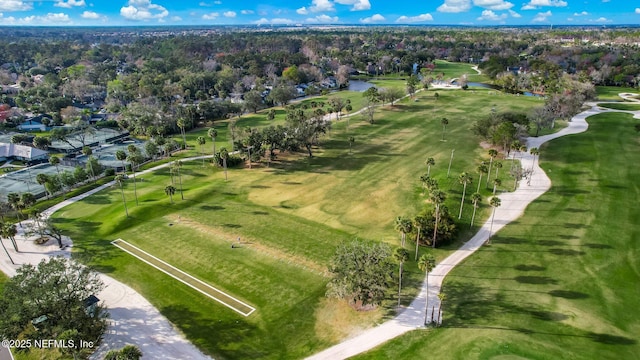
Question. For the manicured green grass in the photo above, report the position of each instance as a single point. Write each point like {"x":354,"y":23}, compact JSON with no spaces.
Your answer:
{"x":561,"y":282}
{"x":455,"y":70}
{"x":290,"y":218}
{"x":558,"y":125}
{"x":621,"y":106}
{"x":3,"y":279}
{"x":611,"y":92}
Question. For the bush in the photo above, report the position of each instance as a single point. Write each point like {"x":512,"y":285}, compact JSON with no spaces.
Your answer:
{"x":110,"y":172}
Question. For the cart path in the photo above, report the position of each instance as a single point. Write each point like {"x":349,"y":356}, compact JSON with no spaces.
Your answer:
{"x":512,"y":207}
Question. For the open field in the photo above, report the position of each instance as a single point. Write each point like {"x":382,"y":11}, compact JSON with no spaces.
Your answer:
{"x":622,"y":106}
{"x":197,"y":284}
{"x":611,"y":92}
{"x":290,"y":218}
{"x":562,"y":281}
{"x":455,"y":70}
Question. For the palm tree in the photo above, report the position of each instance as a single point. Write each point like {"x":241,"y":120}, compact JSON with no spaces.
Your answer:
{"x":476,"y":198}
{"x":178,"y":167}
{"x":14,"y":201}
{"x":482,"y":169}
{"x":133,"y":159}
{"x":430,"y":161}
{"x":425,"y":179}
{"x":4,"y":247}
{"x":535,"y":152}
{"x":492,"y":154}
{"x":55,"y":161}
{"x":437,"y":197}
{"x":515,"y":146}
{"x":403,"y":225}
{"x":494,"y":202}
{"x":122,"y":156}
{"x":119,"y":179}
{"x":464,"y":179}
{"x":498,"y":167}
{"x":27,"y":200}
{"x":86,"y":151}
{"x":401,"y":255}
{"x":201,"y":141}
{"x":496,"y":183}
{"x":444,"y":123}
{"x":170,"y":190}
{"x":441,"y":296}
{"x":182,"y":123}
{"x":418,"y":223}
{"x":42,"y":179}
{"x":351,"y":141}
{"x":213,"y":133}
{"x":9,"y":231}
{"x":427,"y":263}
{"x":224,"y":155}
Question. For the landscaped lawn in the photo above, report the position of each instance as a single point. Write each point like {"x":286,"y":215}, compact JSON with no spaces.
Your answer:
{"x":290,"y":218}
{"x":455,"y":70}
{"x":562,"y":281}
{"x":622,"y":106}
{"x":611,"y":92}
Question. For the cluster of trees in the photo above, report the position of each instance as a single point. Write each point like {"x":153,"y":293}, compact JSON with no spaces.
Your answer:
{"x":49,"y":301}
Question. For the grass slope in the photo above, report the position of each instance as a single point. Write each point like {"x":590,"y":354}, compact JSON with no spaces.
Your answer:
{"x":611,"y":92}
{"x":290,"y":218}
{"x":622,"y":106}
{"x":561,"y":282}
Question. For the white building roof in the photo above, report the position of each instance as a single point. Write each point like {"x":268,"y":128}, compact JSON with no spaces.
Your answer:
{"x":25,"y":152}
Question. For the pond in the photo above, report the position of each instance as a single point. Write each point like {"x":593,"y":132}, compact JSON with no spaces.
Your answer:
{"x":359,"y":85}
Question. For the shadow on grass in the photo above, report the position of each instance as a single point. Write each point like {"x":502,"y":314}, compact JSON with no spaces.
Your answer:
{"x":97,"y":199}
{"x":523,"y":267}
{"x":222,"y":336}
{"x":568,"y":294}
{"x":537,"y":280}
{"x":212,"y":207}
{"x":566,"y":252}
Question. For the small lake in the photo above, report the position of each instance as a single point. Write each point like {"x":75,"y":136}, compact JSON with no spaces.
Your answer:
{"x":359,"y":85}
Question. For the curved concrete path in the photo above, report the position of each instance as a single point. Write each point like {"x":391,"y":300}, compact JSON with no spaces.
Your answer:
{"x":133,"y":319}
{"x":512,"y":207}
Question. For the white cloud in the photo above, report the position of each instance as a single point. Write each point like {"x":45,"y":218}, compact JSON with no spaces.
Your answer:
{"x":371,"y":19}
{"x":534,"y":4}
{"x":584,"y":13}
{"x":229,"y":14}
{"x":262,"y":21}
{"x":413,"y":19}
{"x":217,"y":2}
{"x":281,"y":21}
{"x":143,"y":10}
{"x":542,"y":17}
{"x":489,"y":15}
{"x":514,"y":14}
{"x":321,"y":6}
{"x":356,"y":5}
{"x":455,"y":6}
{"x":15,"y":5}
{"x":48,"y":19}
{"x":601,"y":20}
{"x":246,"y":12}
{"x":211,"y":16}
{"x":323,"y":19}
{"x":90,"y":15}
{"x":176,"y":18}
{"x":302,"y":11}
{"x":69,"y":3}
{"x":637,"y":10}
{"x":493,"y":4}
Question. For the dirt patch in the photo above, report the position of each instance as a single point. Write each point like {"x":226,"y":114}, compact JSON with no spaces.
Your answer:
{"x":336,"y":320}
{"x":251,"y":243}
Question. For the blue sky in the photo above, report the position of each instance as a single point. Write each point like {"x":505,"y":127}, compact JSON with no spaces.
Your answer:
{"x":265,"y":12}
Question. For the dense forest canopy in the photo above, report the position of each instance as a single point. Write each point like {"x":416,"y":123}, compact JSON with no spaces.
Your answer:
{"x":153,"y":76}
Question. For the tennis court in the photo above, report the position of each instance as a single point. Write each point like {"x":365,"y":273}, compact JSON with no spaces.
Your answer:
{"x":196,"y":284}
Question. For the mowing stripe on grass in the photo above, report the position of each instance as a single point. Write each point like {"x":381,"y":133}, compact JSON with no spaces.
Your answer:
{"x":196,"y":284}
